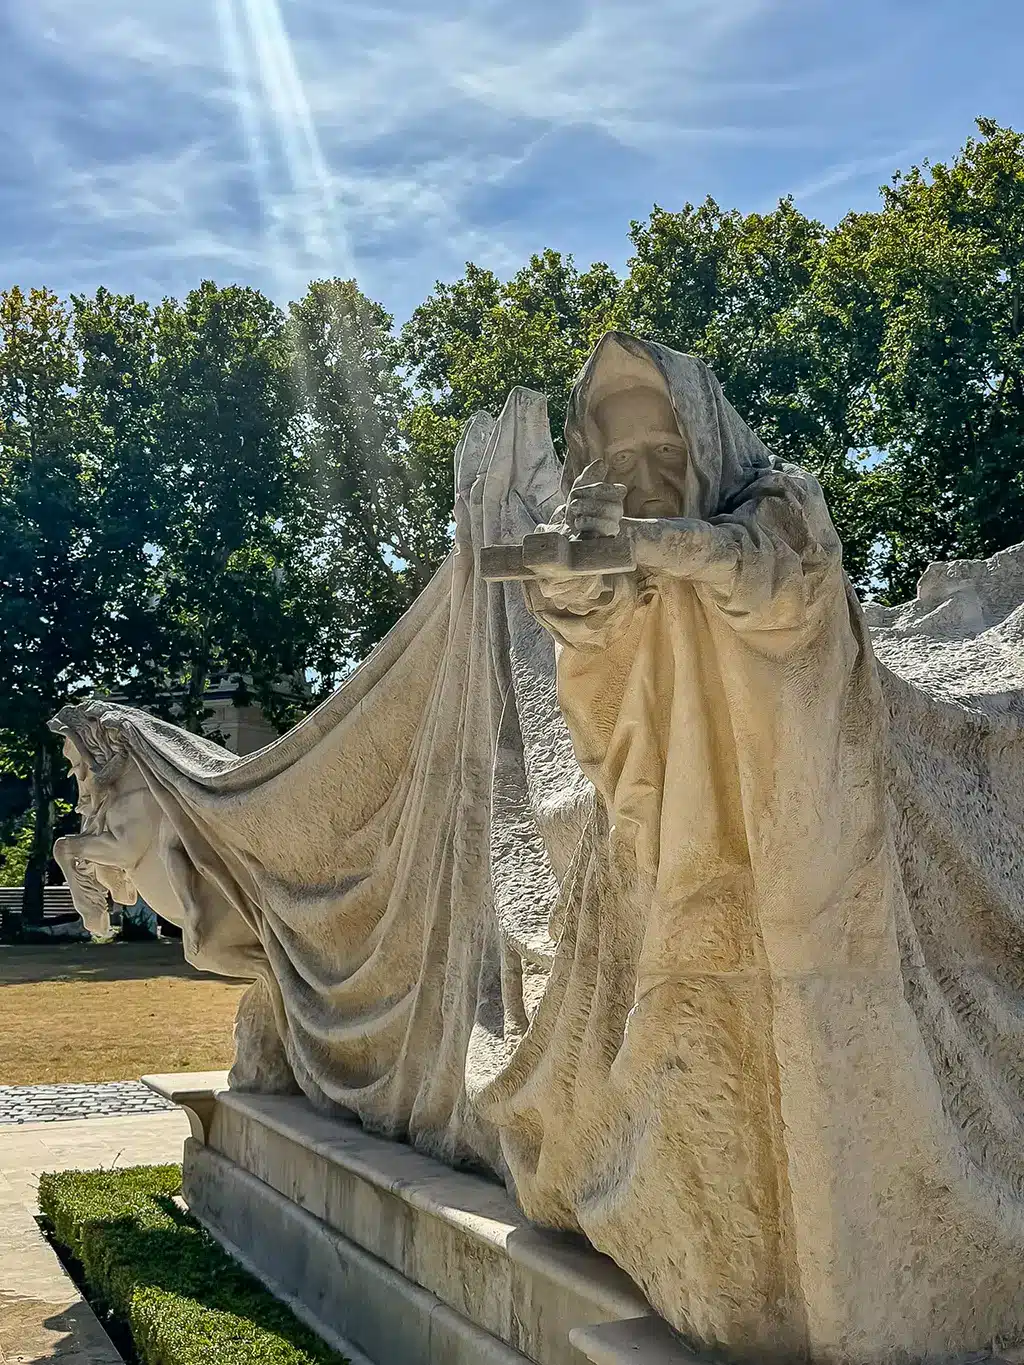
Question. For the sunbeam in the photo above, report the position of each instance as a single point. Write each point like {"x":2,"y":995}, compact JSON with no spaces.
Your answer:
{"x":301,"y":211}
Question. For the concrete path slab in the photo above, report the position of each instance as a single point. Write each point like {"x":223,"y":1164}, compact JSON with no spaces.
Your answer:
{"x":42,"y":1315}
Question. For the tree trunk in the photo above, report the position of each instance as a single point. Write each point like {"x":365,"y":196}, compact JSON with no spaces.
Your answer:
{"x":195,"y":693}
{"x":42,"y":836}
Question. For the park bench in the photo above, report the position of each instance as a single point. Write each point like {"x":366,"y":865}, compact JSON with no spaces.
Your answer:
{"x":60,"y":918}
{"x":56,"y":900}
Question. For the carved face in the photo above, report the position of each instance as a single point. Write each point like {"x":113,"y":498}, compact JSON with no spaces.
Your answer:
{"x":643,"y":448}
{"x":82,"y":774}
{"x":75,"y":760}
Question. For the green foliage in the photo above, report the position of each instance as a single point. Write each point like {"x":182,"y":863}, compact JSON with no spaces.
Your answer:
{"x":472,"y":342}
{"x":52,"y":621}
{"x":16,"y":851}
{"x":731,"y":289}
{"x":925,"y":299}
{"x":49,"y":603}
{"x":212,"y":436}
{"x":178,"y":510}
{"x":375,"y":511}
{"x":152,"y":1266}
{"x":17,"y":840}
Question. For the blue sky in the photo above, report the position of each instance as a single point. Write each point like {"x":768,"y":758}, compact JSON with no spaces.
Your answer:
{"x":151,"y":143}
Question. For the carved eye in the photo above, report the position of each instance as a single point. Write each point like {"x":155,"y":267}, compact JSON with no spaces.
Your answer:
{"x":669,"y":452}
{"x":622,"y":459}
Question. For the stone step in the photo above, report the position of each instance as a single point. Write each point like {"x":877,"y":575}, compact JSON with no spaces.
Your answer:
{"x":393,"y":1252}
{"x":632,"y":1341}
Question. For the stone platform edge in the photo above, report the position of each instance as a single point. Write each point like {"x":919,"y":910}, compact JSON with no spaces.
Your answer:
{"x":194,"y":1091}
{"x":379,"y":1246}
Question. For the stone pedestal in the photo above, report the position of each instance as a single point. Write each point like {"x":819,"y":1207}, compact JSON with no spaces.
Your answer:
{"x":390,"y":1252}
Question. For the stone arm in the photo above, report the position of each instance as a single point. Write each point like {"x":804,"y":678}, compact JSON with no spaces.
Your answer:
{"x":763,"y":563}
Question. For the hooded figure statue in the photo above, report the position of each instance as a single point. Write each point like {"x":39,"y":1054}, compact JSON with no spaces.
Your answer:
{"x":694,"y":691}
{"x":725,"y":1064}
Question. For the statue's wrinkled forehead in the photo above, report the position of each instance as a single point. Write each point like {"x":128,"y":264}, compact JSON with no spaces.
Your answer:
{"x":637,"y":412}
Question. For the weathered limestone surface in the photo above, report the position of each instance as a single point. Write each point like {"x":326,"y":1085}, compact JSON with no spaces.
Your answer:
{"x":648,"y":891}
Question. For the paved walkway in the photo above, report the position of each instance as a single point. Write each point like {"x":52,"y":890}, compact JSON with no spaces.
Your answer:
{"x":42,"y":1315}
{"x":59,"y":1103}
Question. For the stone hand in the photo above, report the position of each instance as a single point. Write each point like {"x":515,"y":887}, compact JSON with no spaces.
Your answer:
{"x":594,"y":508}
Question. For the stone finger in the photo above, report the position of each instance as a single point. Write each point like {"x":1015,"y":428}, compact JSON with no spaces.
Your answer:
{"x":601,"y":526}
{"x":605,"y":492}
{"x":593,"y":473}
{"x":596,"y":507}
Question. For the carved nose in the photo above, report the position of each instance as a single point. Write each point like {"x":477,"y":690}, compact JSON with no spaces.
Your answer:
{"x":645,"y":483}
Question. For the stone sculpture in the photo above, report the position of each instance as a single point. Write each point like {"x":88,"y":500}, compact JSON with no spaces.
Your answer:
{"x":647,"y":890}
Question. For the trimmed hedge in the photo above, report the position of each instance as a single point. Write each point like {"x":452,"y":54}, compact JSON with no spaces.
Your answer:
{"x":147,"y":1262}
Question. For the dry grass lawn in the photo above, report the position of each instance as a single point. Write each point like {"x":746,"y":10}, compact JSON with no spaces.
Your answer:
{"x":109,"y":1012}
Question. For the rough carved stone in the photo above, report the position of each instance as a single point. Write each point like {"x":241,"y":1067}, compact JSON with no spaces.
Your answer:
{"x":648,"y":891}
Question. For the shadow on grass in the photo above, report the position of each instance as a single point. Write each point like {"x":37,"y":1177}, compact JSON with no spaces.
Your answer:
{"x":25,"y":964}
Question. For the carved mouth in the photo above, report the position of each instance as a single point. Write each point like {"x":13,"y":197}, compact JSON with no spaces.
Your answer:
{"x":657,"y":507}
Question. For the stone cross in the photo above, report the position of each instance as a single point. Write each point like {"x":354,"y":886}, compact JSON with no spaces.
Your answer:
{"x":555,"y":554}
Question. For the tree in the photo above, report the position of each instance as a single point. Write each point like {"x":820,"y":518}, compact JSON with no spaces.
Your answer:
{"x":924,"y":298}
{"x":16,"y":850}
{"x":196,"y":409}
{"x":17,"y":840}
{"x":471,"y":342}
{"x":732,"y":289}
{"x":213,"y":438}
{"x":177,"y":508}
{"x":115,"y":406}
{"x":51,"y":617}
{"x":376,"y":509}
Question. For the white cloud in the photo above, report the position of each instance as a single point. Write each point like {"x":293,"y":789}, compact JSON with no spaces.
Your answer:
{"x":282,"y":142}
{"x":625,"y":68}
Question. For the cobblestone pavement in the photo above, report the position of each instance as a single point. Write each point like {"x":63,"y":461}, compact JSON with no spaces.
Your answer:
{"x":54,"y":1103}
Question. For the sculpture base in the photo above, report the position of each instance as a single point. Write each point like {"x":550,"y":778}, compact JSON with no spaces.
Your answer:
{"x":385,"y":1250}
